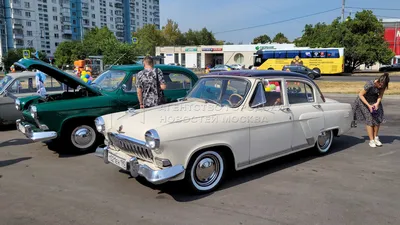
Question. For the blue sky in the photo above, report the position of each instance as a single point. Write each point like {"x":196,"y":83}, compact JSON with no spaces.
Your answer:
{"x":223,"y":15}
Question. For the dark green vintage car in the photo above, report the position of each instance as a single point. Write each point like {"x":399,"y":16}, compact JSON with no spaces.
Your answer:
{"x":68,"y":117}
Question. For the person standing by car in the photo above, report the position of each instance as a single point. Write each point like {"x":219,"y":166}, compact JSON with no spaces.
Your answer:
{"x":150,"y":84}
{"x":40,"y":79}
{"x":369,"y":109}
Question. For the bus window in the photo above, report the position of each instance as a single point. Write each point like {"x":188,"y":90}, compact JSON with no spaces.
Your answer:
{"x":293,"y":54}
{"x":268,"y":55}
{"x":319,"y":54}
{"x":280,"y":54}
{"x":305,"y":54}
{"x":334,"y":53}
{"x":258,"y":61}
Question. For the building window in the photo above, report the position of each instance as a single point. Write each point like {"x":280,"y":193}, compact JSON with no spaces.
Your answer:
{"x":73,"y":5}
{"x":93,"y":16}
{"x":56,"y":27}
{"x":28,"y":14}
{"x":55,"y":18}
{"x":92,"y":7}
{"x":54,"y":9}
{"x":28,"y":23}
{"x":29,"y":33}
{"x":94,"y":24}
{"x":238,"y":58}
{"x":56,"y":35}
{"x":56,"y":44}
{"x":27,"y":5}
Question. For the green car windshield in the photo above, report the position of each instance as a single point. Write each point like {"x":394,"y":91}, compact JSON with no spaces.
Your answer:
{"x":4,"y":81}
{"x":110,"y":80}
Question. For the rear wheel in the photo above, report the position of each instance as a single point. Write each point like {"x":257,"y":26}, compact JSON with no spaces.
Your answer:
{"x":316,"y":69}
{"x":205,"y":171}
{"x":310,"y":75}
{"x":81,"y":137}
{"x":324,"y":142}
{"x":270,"y":68}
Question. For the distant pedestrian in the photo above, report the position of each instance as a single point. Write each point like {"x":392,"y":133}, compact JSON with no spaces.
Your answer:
{"x":40,"y":79}
{"x":150,"y":84}
{"x":369,"y":109}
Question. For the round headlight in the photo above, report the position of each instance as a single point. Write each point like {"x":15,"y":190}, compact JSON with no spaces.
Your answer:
{"x":152,"y":139}
{"x":33,"y":111}
{"x":100,"y":124}
{"x":18,"y":104}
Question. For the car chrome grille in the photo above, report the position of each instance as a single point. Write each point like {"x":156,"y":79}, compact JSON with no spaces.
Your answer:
{"x":130,"y":146}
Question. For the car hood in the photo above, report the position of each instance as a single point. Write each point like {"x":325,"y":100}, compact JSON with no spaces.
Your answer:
{"x":59,"y":75}
{"x":136,"y":123}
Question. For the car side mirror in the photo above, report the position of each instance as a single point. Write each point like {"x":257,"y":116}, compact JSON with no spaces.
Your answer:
{"x":123,"y":87}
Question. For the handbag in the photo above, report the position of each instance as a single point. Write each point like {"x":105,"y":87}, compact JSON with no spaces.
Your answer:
{"x":160,"y":93}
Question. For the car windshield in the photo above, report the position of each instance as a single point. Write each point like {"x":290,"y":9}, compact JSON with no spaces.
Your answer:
{"x":229,"y":92}
{"x":4,"y":81}
{"x":109,"y":80}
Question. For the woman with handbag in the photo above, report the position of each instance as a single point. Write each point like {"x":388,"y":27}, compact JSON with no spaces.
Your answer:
{"x":150,"y":84}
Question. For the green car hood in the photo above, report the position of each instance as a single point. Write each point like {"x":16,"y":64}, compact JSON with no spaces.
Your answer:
{"x":59,"y":75}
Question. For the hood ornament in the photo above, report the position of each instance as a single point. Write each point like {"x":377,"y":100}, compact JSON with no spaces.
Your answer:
{"x":120,"y":129}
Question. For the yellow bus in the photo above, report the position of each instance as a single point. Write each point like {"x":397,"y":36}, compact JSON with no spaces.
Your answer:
{"x":322,"y":60}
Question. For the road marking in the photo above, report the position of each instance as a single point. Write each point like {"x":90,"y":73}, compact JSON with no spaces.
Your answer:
{"x":387,"y":153}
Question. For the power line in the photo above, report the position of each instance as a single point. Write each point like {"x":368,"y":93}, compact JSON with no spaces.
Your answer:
{"x":281,"y":21}
{"x":389,"y":9}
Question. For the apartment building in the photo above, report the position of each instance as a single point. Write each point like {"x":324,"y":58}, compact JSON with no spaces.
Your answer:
{"x":44,"y":24}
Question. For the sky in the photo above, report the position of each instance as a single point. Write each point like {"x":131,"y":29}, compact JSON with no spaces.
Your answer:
{"x":224,"y":15}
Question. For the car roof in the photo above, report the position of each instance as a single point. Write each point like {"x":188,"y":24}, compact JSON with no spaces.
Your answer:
{"x":261,"y":73}
{"x":21,"y":74}
{"x":141,"y":67}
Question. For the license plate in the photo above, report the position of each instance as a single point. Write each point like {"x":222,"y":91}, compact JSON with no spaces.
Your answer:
{"x":116,"y":160}
{"x":21,"y":128}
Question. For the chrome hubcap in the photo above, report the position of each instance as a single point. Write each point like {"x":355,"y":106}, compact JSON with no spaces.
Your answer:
{"x":323,"y":139}
{"x":207,"y":170}
{"x":83,"y":136}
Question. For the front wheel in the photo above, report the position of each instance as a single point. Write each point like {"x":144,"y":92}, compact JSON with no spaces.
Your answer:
{"x":205,"y":171}
{"x":81,"y":138}
{"x":324,"y":142}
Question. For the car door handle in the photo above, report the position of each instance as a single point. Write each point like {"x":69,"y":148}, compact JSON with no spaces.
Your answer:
{"x":285,"y":109}
{"x":317,"y":106}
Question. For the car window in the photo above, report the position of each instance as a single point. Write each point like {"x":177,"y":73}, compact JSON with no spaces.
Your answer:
{"x":299,"y":92}
{"x":22,"y":85}
{"x":131,"y":84}
{"x":109,"y":80}
{"x":52,"y":84}
{"x":268,"y":94}
{"x":176,"y":81}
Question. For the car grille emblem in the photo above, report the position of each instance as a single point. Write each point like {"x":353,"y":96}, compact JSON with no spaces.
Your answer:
{"x":120,"y":130}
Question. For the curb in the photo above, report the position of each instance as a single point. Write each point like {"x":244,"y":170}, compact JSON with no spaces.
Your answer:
{"x":333,"y":95}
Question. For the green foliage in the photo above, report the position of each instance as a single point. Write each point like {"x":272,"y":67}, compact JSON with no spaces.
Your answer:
{"x":362,"y":38}
{"x":263,"y":39}
{"x":148,"y":38}
{"x":13,"y":55}
{"x":280,"y":38}
{"x":97,"y":41}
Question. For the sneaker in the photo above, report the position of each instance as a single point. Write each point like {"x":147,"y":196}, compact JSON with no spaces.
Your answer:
{"x":377,"y":142}
{"x":372,"y":144}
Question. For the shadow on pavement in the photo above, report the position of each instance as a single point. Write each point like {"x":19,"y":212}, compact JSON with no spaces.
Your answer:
{"x":9,"y":162}
{"x":7,"y":127}
{"x":178,"y":190}
{"x":13,"y":142}
{"x":62,"y":151}
{"x":386,"y":139}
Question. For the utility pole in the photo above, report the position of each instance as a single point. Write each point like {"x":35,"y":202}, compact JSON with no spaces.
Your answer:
{"x":343,"y":4}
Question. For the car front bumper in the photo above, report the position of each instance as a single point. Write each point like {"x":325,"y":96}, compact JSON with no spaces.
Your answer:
{"x":34,"y":133}
{"x":137,"y":167}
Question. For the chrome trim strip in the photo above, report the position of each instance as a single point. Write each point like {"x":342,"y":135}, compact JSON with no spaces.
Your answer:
{"x":130,"y":145}
{"x":36,"y":136}
{"x":310,"y":141}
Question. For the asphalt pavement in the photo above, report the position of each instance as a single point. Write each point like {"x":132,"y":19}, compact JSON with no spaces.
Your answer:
{"x":354,"y":184}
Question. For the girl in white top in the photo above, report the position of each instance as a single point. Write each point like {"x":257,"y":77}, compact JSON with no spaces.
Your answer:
{"x":40,"y":78}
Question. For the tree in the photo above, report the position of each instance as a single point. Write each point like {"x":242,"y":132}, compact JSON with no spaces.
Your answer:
{"x":280,"y":38}
{"x":13,"y":55}
{"x":148,"y":38}
{"x":263,"y":39}
{"x":67,"y":52}
{"x":172,"y":34}
{"x":362,"y":38}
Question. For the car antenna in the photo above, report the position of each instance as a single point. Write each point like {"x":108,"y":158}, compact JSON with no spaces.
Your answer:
{"x":117,"y":60}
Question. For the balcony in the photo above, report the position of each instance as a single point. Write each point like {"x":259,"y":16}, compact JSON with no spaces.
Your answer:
{"x":18,"y":35}
{"x":67,"y":31}
{"x":119,"y":34}
{"x":120,"y":27}
{"x":17,"y":24}
{"x":119,"y":1}
{"x":118,"y":5}
{"x":15,"y":5}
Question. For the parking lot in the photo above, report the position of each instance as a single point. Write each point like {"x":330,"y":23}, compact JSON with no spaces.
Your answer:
{"x":354,"y":184}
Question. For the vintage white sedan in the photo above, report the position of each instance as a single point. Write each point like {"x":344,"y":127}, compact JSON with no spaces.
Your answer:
{"x":229,"y":121}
